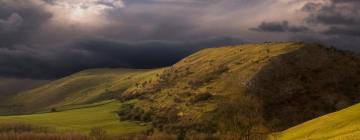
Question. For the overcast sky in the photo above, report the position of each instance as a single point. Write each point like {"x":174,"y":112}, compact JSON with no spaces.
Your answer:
{"x":53,"y":38}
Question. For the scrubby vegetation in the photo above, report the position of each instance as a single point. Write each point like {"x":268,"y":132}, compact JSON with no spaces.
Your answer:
{"x":253,"y":90}
{"x":305,"y":84}
{"x":24,"y":131}
{"x":189,"y":95}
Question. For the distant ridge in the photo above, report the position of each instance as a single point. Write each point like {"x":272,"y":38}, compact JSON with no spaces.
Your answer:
{"x":81,"y":88}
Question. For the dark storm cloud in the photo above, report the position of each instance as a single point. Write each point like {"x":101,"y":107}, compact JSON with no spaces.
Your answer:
{"x":331,"y":22}
{"x":339,"y":20}
{"x":32,"y":36}
{"x":279,"y":27}
{"x":350,"y":31}
{"x":172,"y":2}
{"x":341,"y":17}
{"x":337,"y":12}
{"x":32,"y":62}
{"x":33,"y":32}
{"x":12,"y":23}
{"x":19,"y":20}
{"x":179,"y":19}
{"x":158,"y":27}
{"x":50,"y":1}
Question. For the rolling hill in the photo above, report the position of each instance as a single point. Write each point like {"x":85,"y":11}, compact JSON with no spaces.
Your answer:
{"x":10,"y":86}
{"x":236,"y":91}
{"x":81,"y":88}
{"x":261,"y":88}
{"x":341,"y":125}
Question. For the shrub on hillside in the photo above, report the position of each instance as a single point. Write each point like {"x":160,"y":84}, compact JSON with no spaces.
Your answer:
{"x":125,"y":109}
{"x":201,"y":97}
{"x":130,"y":112}
{"x":165,"y":118}
{"x":240,"y":118}
{"x":53,"y":109}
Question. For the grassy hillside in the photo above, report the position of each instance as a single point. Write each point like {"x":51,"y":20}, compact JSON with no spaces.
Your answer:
{"x":190,"y":93}
{"x":100,"y":115}
{"x":14,"y":85}
{"x":235,"y":92}
{"x":81,"y":88}
{"x":254,"y":88}
{"x":341,"y":125}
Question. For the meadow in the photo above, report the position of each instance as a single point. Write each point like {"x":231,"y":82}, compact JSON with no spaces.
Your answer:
{"x":82,"y":119}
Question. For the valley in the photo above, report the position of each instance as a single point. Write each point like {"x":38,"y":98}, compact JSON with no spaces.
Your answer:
{"x":251,"y":91}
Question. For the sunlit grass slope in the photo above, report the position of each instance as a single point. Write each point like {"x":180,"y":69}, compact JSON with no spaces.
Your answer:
{"x":341,"y":125}
{"x":81,"y":88}
{"x":98,"y":115}
{"x":288,"y":83}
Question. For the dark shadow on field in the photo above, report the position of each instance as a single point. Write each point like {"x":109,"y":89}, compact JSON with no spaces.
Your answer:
{"x":305,"y":84}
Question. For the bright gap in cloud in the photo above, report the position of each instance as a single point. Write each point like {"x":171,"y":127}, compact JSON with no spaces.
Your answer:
{"x":83,"y":12}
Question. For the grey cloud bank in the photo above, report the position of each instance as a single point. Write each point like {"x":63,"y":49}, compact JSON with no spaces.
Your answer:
{"x":54,"y":62}
{"x":332,"y":22}
{"x":53,"y":38}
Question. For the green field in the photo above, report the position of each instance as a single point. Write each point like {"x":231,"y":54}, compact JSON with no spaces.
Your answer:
{"x":83,"y":119}
{"x":85,"y":87}
{"x":341,"y":125}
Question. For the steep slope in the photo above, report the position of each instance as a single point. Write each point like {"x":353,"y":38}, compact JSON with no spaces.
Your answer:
{"x":341,"y":125}
{"x":306,"y":83}
{"x":82,"y":120}
{"x":81,"y":88}
{"x":252,"y":89}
